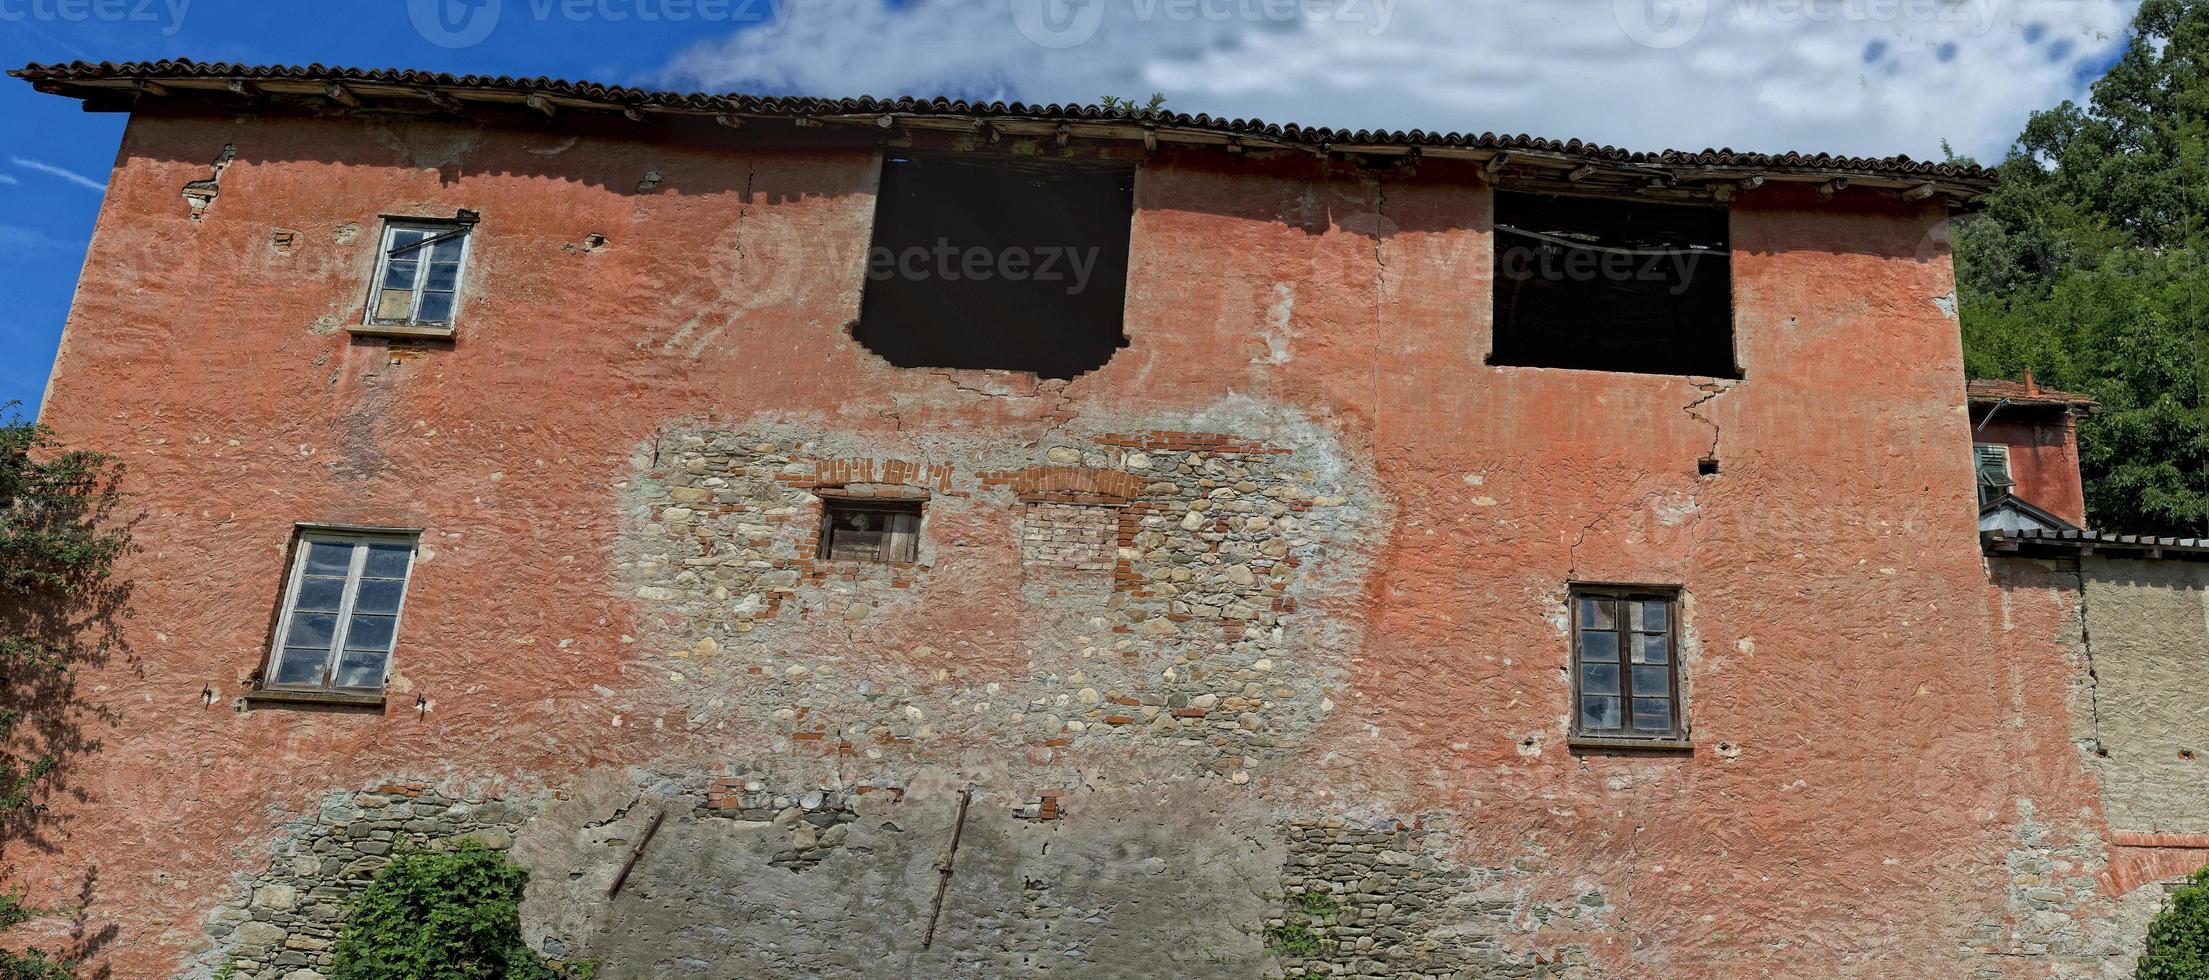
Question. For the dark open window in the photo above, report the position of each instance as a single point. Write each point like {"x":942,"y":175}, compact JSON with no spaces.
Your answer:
{"x":1625,"y":664}
{"x":870,"y":530}
{"x":997,"y":262}
{"x":1609,"y":285}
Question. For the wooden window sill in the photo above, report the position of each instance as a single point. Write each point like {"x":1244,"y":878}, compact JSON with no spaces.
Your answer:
{"x":1648,"y":744}
{"x":400,"y":330}
{"x":273,"y":696}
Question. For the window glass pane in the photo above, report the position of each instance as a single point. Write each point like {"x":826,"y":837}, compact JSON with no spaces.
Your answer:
{"x":394,"y":304}
{"x":379,"y":595}
{"x":387,"y":560}
{"x":370,"y":632}
{"x":444,"y":276}
{"x":1596,"y":614}
{"x":448,"y":250}
{"x":360,"y":668}
{"x":311,"y":630}
{"x":1652,"y":715}
{"x":320,"y":594}
{"x":1653,"y":680}
{"x":399,"y":273}
{"x":402,"y":237}
{"x":329,"y":558}
{"x":1600,"y":713}
{"x":1652,"y":648}
{"x":436,"y":308}
{"x":1649,"y":614}
{"x":1599,"y":678}
{"x":296,"y":666}
{"x":1599,"y":646}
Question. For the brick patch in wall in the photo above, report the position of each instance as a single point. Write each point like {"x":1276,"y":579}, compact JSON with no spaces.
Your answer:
{"x":1076,"y":537}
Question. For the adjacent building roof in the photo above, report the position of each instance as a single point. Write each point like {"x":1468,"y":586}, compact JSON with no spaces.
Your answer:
{"x":1987,"y":390}
{"x":2081,"y":543}
{"x":2008,"y":513}
{"x":118,"y":86}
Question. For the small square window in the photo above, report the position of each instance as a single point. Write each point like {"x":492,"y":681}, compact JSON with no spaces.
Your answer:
{"x":870,"y":530}
{"x":341,"y":612}
{"x":418,"y":274}
{"x":1625,"y":669}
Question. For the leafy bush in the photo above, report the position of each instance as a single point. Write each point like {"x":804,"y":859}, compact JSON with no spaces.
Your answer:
{"x":58,"y":540}
{"x":440,"y":915}
{"x":2178,"y":939}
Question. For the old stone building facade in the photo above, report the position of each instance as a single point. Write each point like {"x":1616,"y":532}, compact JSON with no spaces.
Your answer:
{"x":1301,"y":578}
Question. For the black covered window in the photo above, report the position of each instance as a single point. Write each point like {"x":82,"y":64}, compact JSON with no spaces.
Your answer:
{"x":1609,"y":285}
{"x":998,"y":262}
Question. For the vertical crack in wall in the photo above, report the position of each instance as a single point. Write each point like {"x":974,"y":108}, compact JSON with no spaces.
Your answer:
{"x":1711,"y":391}
{"x":1633,"y":494}
{"x":2086,"y":649}
{"x":1380,"y":291}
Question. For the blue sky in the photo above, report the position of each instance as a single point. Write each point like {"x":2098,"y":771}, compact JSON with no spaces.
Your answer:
{"x":1857,"y":76}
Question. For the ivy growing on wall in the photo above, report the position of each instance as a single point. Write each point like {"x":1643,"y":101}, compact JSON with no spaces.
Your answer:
{"x":58,"y":606}
{"x":440,"y":915}
{"x":2178,"y":939}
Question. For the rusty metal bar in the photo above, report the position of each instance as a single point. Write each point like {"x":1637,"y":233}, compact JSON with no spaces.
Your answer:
{"x":943,"y":870}
{"x":636,"y":852}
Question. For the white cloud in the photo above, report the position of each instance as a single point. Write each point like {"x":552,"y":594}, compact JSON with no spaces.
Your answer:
{"x":64,"y":173}
{"x":1850,"y":76}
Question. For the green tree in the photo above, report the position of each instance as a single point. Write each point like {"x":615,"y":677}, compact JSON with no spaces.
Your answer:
{"x":2087,"y":268}
{"x":440,"y":915}
{"x":57,"y":606}
{"x":2178,"y":938}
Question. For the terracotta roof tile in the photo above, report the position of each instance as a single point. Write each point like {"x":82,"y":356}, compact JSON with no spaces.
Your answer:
{"x":2022,"y":393}
{"x":77,"y":78}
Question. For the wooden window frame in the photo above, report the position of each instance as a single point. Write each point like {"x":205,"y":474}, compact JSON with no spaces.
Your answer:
{"x":1677,"y":734}
{"x":413,"y":325}
{"x":833,"y":504}
{"x":303,"y":536}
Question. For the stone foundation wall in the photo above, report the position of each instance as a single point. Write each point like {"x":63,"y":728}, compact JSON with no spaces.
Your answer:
{"x":1386,"y":901}
{"x":284,"y":923}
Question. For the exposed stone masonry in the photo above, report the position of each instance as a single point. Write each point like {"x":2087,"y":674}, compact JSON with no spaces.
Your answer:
{"x":284,"y":924}
{"x":815,"y":819}
{"x":1191,"y":642}
{"x":1375,"y":901}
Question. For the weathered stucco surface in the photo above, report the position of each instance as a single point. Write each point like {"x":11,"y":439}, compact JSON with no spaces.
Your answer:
{"x":2147,"y":630}
{"x":1379,"y":666}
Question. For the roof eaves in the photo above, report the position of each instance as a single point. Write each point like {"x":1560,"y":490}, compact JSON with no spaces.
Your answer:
{"x":127,"y":80}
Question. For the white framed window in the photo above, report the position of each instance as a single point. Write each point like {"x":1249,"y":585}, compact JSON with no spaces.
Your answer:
{"x":418,"y":273}
{"x":341,"y":610}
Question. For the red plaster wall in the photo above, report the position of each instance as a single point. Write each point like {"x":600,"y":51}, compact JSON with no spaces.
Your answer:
{"x":1851,"y":795}
{"x":2044,"y":456}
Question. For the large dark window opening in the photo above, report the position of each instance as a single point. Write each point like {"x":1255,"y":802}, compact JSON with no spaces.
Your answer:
{"x":1607,"y":285}
{"x":998,"y":262}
